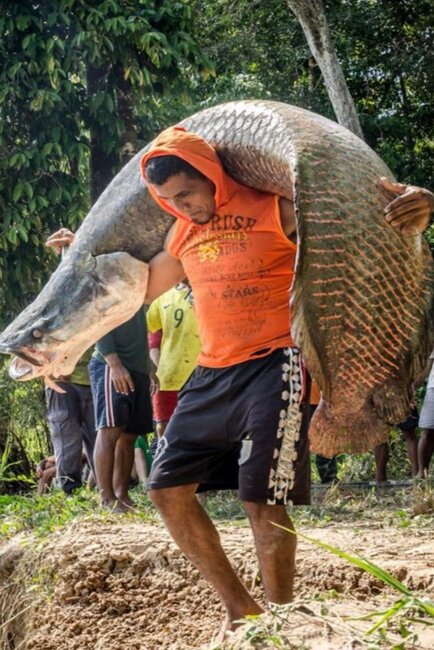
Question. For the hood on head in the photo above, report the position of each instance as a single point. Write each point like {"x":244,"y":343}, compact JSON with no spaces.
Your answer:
{"x":177,"y":141}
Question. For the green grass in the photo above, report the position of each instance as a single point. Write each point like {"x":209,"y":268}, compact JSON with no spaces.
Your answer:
{"x":42,"y":515}
{"x":401,"y":508}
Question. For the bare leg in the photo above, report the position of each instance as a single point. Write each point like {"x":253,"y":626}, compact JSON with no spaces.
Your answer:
{"x":124,"y":460}
{"x":91,"y":482}
{"x":196,"y":536}
{"x":425,"y":451}
{"x":275,"y":549}
{"x":381,"y":453}
{"x":104,"y":458}
{"x":140,"y":466}
{"x":412,"y":444}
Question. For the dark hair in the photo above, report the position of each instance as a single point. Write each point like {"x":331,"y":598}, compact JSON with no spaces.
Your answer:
{"x":161,"y":168}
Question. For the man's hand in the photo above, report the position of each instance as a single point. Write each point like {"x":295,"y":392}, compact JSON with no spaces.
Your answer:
{"x":121,"y":378}
{"x":60,"y":239}
{"x":411,"y":210}
{"x":154,"y":385}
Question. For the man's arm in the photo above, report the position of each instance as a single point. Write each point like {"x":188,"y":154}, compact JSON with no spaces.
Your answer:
{"x":164,"y":272}
{"x":154,"y":349}
{"x":154,"y":343}
{"x":121,"y":378}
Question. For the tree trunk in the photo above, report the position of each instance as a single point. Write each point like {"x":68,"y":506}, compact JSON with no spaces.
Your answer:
{"x":129,"y":141}
{"x":311,"y":16}
{"x":103,"y":165}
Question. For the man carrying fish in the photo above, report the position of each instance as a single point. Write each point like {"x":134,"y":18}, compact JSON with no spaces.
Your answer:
{"x":239,"y":422}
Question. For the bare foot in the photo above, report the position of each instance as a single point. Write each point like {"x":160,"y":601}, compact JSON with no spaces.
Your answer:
{"x":228,"y":626}
{"x":225,"y":629}
{"x":126,"y":501}
{"x":115,"y":506}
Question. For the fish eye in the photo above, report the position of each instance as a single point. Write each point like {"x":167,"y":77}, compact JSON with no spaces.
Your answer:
{"x":37,"y":334}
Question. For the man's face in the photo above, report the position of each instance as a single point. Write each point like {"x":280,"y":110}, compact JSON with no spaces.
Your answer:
{"x":192,"y":197}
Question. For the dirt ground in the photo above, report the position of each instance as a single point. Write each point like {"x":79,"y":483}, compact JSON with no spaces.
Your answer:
{"x":122,"y":585}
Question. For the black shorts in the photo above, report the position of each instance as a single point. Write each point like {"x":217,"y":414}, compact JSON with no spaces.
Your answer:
{"x":241,"y":428}
{"x":411,"y":423}
{"x":132,"y":412}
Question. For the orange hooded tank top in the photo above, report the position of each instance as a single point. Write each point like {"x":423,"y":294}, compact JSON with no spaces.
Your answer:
{"x":240,"y":264}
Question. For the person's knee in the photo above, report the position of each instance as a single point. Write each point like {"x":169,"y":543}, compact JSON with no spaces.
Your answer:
{"x":127,"y":439}
{"x":172,"y":498}
{"x":108,"y":435}
{"x":159,"y":497}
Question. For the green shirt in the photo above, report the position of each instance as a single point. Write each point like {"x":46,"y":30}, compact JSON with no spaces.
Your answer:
{"x":129,"y":341}
{"x":80,"y":374}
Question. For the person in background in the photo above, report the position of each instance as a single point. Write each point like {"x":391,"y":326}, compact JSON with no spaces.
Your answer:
{"x":381,"y":452}
{"x":119,"y":373}
{"x":70,"y":412}
{"x":119,"y":379}
{"x":419,"y":450}
{"x":426,"y":422}
{"x":46,"y":473}
{"x":142,"y":460}
{"x":174,"y":347}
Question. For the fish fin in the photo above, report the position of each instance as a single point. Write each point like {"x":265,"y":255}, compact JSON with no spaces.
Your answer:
{"x":346,"y":431}
{"x":52,"y":384}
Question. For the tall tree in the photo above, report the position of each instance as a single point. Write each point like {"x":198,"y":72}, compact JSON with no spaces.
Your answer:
{"x":312,"y":18}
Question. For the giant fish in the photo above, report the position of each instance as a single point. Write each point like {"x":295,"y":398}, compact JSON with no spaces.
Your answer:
{"x":361,"y":302}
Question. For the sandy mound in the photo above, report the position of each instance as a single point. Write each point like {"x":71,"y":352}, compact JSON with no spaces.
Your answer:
{"x":123,"y":585}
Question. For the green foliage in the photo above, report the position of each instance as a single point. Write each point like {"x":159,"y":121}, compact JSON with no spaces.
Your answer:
{"x":259,"y":51}
{"x":73,"y":75}
{"x":361,"y":467}
{"x":385,"y":50}
{"x":24,"y":436}
{"x":43,"y":515}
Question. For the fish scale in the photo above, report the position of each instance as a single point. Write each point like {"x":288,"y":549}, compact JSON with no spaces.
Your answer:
{"x":362,"y":299}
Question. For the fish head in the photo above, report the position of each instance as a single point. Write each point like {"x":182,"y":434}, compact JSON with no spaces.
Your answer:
{"x":86,"y":297}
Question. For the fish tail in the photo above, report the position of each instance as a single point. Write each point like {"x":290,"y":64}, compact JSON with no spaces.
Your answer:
{"x":346,"y":432}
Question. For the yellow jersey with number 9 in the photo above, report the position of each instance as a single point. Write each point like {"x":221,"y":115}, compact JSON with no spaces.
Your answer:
{"x":173,"y":313}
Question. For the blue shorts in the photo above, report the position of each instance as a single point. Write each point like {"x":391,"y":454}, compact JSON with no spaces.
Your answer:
{"x":240,"y":427}
{"x":132,"y":412}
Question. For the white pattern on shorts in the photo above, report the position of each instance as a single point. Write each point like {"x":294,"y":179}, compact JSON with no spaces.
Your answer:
{"x":282,"y":474}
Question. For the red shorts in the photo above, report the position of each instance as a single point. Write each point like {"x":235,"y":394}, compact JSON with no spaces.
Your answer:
{"x":164,"y":403}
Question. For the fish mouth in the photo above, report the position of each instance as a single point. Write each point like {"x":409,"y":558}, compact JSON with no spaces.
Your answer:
{"x":27,"y":364}
{"x":20,"y":369}
{"x":28,"y":358}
